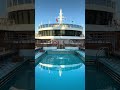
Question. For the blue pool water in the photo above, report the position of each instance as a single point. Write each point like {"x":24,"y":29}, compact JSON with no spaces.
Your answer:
{"x":60,"y":72}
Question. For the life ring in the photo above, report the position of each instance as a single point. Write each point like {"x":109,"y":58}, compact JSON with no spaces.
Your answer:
{"x":55,"y":42}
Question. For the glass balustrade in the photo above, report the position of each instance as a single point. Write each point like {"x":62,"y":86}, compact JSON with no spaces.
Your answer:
{"x":62,"y":25}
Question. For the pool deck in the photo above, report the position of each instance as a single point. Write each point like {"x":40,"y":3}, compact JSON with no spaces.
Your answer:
{"x":81,"y":53}
{"x":38,"y":54}
{"x":113,"y":67}
{"x":6,"y":68}
{"x":112,"y":63}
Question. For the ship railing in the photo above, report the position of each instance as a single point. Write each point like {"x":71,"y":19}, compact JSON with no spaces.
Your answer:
{"x":57,"y":25}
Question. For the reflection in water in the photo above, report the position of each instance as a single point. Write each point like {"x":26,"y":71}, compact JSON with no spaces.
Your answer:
{"x":59,"y":68}
{"x":60,"y":72}
{"x":49,"y":70}
{"x":60,"y":62}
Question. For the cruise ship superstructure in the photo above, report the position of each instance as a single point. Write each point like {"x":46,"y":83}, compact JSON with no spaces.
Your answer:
{"x":17,"y":28}
{"x":101,"y":26}
{"x":60,"y":34}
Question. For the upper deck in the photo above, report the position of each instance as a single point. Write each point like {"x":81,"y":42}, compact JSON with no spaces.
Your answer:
{"x":60,"y":27}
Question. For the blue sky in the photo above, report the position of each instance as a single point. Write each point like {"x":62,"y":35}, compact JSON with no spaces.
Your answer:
{"x":48,"y":10}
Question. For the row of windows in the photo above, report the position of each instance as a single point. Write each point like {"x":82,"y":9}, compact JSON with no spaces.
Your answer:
{"x":18,"y":2}
{"x":60,"y":33}
{"x":22,"y":17}
{"x":98,"y":17}
{"x":108,"y":3}
{"x":56,"y":25}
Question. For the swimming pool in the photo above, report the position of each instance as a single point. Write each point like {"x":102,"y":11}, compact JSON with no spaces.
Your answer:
{"x":60,"y":70}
